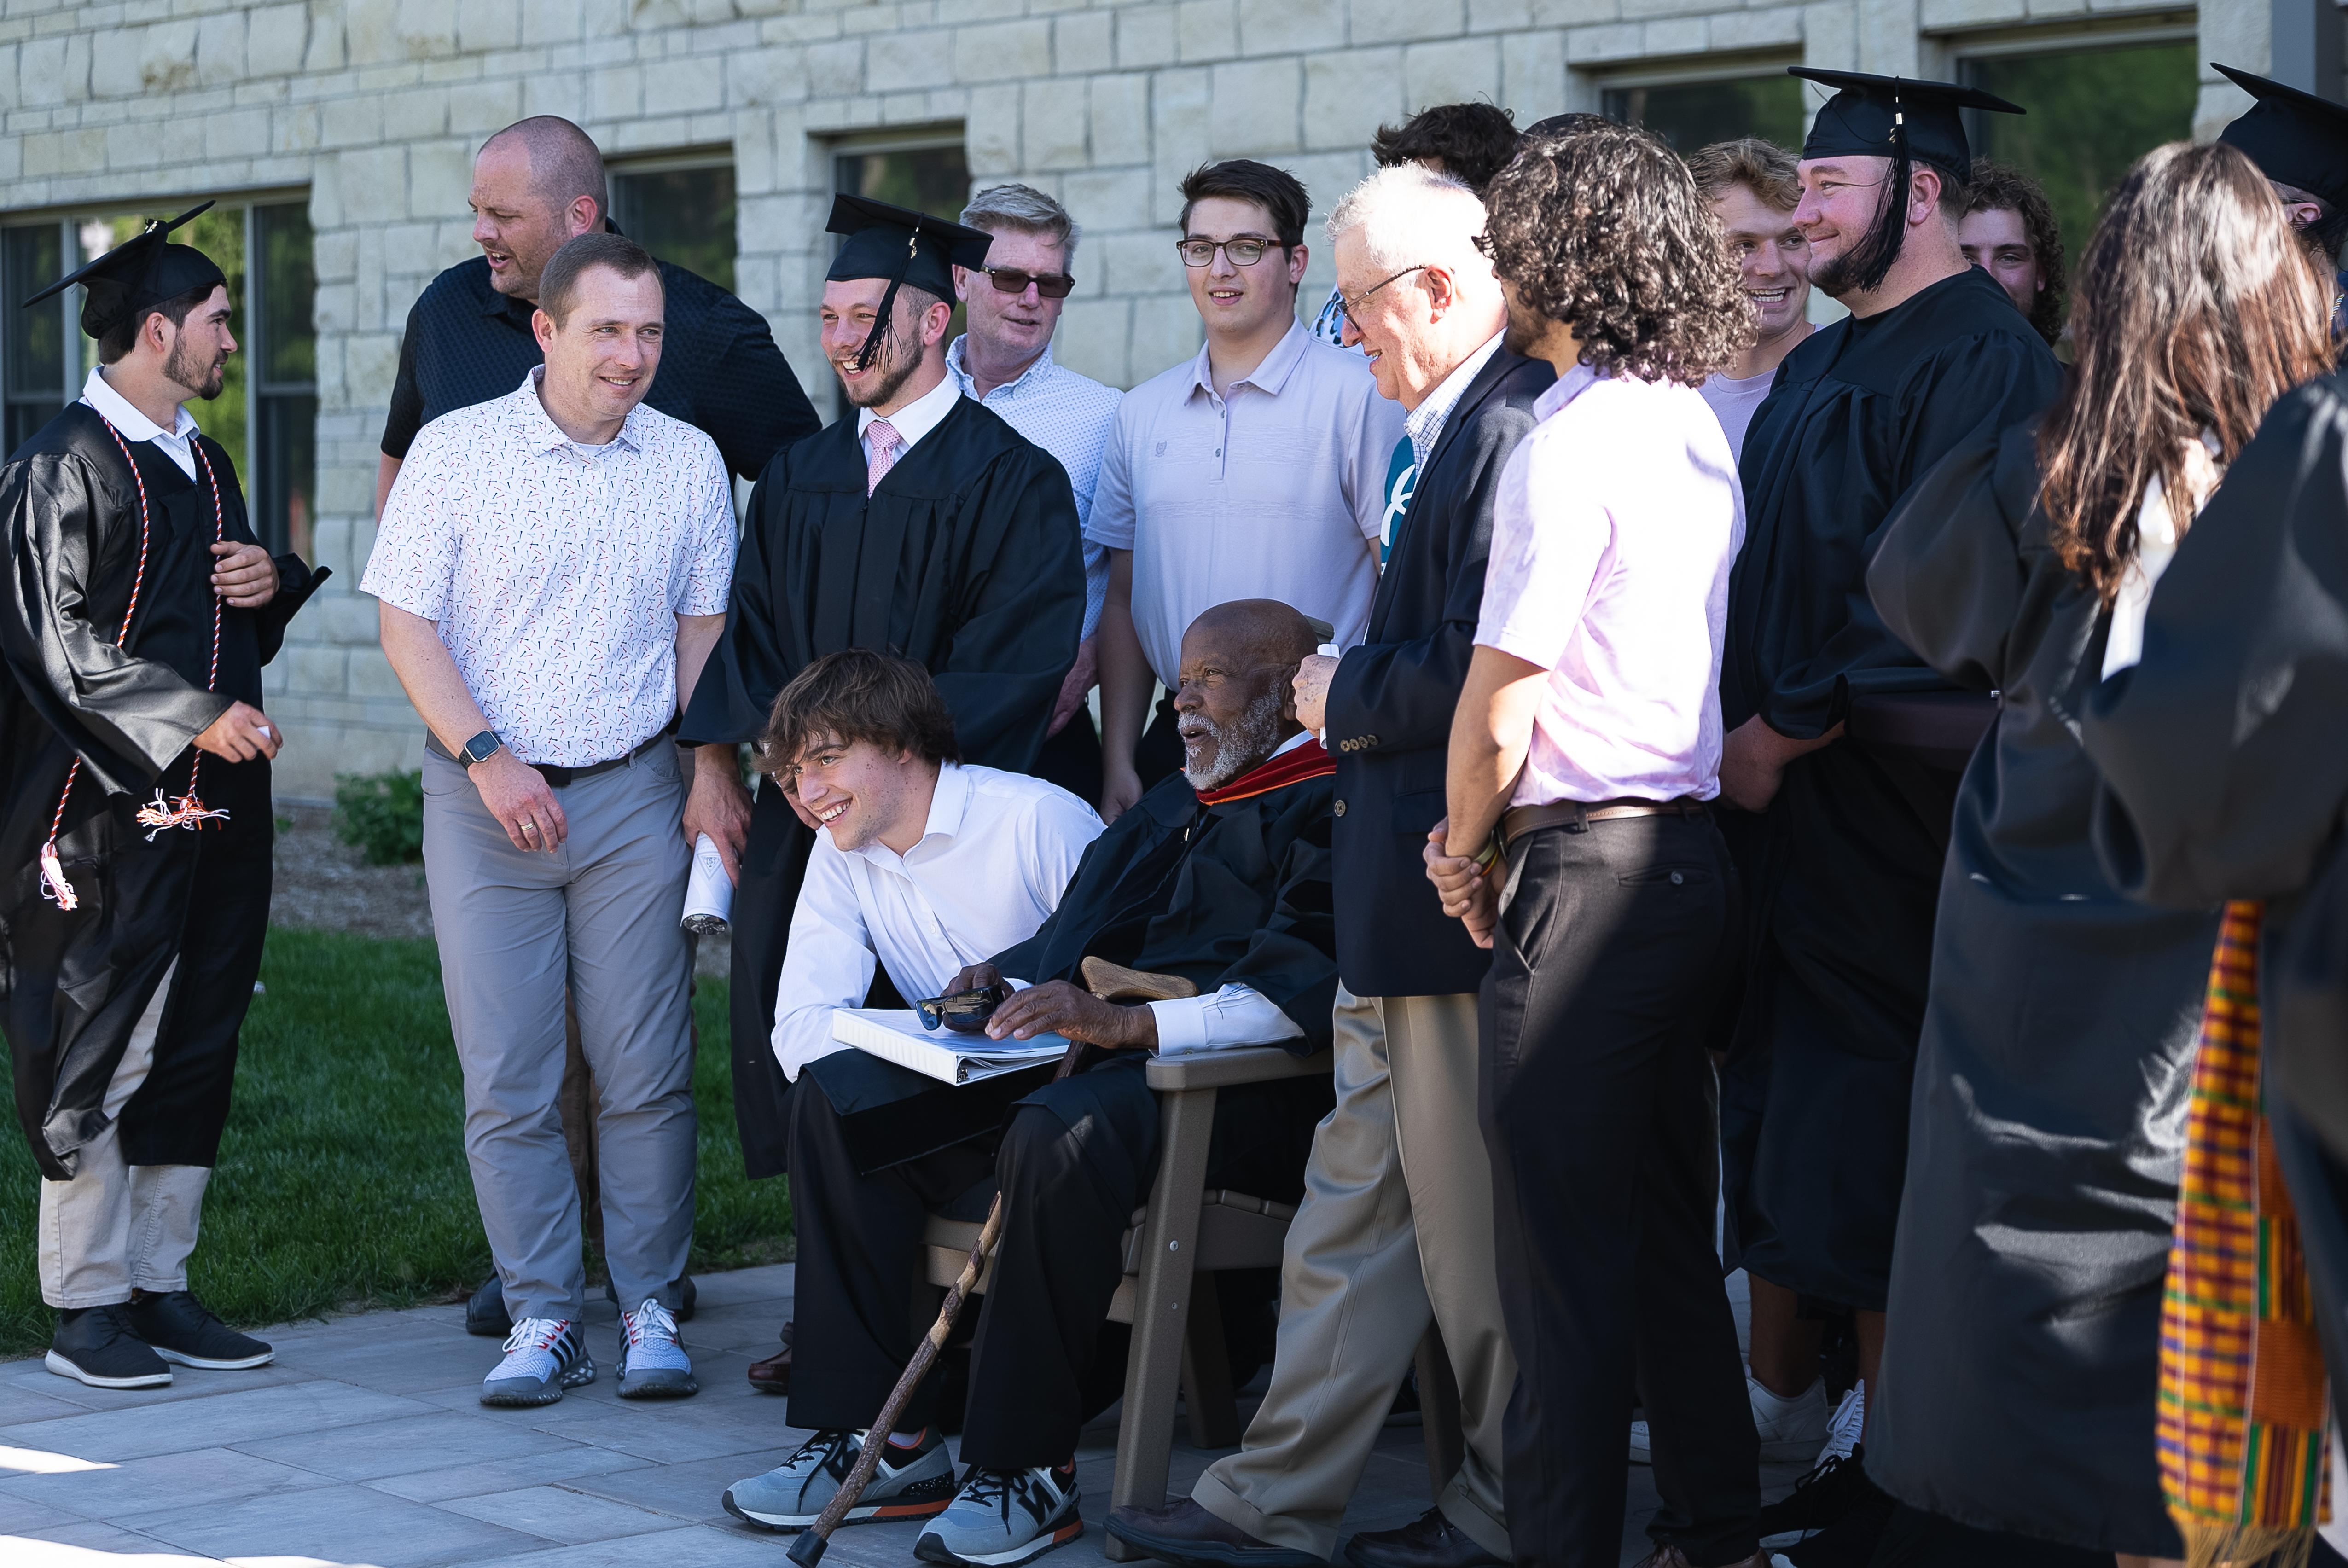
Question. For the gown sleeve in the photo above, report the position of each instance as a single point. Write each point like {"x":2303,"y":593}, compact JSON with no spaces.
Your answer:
{"x":745,"y":671}
{"x":1962,"y":397}
{"x":58,"y":517}
{"x":1948,"y":578}
{"x":2223,"y":753}
{"x":1292,"y":961}
{"x":1023,"y":599}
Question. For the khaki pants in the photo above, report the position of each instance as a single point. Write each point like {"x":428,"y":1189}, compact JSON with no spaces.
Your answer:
{"x":1395,"y":1230}
{"x":117,"y":1228}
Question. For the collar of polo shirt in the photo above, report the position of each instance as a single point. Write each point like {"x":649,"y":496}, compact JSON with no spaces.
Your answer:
{"x":1267,"y":378}
{"x":545,"y":435}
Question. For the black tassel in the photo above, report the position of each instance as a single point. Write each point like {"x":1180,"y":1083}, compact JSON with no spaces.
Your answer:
{"x":1890,"y":231}
{"x":888,"y":303}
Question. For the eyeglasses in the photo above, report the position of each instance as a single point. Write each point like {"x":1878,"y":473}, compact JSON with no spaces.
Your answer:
{"x":1013,"y":280}
{"x":1245,"y":253}
{"x":1483,"y":244}
{"x":1345,"y":308}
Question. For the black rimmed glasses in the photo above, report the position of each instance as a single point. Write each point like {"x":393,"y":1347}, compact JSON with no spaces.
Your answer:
{"x":1346,"y":307}
{"x":1014,"y":279}
{"x":1245,"y":251}
{"x":1483,"y":244}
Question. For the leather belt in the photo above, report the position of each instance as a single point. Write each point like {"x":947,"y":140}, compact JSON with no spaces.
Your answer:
{"x":1577,"y":815}
{"x":556,"y":776}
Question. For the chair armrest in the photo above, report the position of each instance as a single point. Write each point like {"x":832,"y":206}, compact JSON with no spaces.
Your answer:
{"x":1235,"y":1065}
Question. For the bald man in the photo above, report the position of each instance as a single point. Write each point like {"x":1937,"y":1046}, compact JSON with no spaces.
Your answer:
{"x":536,"y":184}
{"x":1219,"y":876}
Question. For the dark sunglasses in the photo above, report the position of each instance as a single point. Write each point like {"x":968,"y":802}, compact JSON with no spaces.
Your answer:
{"x":1012,"y":281}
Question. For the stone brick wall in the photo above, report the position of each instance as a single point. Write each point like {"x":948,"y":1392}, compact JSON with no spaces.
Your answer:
{"x":374,"y":107}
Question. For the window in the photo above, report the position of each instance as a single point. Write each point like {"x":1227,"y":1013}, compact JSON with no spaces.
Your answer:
{"x":682,"y":211}
{"x":2093,"y":112}
{"x":267,"y":411}
{"x":1692,"y":114}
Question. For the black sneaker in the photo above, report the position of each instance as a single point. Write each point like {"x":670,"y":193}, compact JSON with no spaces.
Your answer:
{"x":183,"y":1330}
{"x":96,"y":1345}
{"x":1826,"y":1494}
{"x":1849,"y":1541}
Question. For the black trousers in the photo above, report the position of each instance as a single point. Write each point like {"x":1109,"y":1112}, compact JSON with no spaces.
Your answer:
{"x":1074,"y":1161}
{"x":1595,"y":1096}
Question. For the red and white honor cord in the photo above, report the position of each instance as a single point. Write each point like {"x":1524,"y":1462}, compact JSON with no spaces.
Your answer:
{"x":186,"y":810}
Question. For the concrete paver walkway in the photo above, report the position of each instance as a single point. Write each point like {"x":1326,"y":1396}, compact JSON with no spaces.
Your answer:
{"x":366,"y":1443}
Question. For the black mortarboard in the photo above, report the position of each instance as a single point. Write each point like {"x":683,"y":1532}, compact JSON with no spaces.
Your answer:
{"x":144,"y":270}
{"x":902,"y":246}
{"x":2295,"y":137}
{"x":1868,"y":113}
{"x":1891,"y":117}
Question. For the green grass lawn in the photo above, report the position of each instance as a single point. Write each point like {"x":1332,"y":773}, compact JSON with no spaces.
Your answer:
{"x":342,"y":1180}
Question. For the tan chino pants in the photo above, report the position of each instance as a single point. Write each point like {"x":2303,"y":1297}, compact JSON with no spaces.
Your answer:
{"x":1396,"y":1229}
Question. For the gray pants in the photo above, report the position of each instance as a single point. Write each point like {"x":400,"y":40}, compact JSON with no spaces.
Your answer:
{"x":599,"y":914}
{"x":115,"y":1228}
{"x":1395,"y":1230}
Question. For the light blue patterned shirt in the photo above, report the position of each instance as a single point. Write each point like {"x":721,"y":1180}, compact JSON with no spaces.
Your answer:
{"x":1069,"y":416}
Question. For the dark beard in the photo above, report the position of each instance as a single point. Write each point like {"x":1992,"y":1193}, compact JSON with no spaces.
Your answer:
{"x":896,"y":368}
{"x":1525,"y":331}
{"x":179,"y":369}
{"x":1863,"y":266}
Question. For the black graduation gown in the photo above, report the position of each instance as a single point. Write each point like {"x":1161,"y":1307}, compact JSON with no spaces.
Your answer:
{"x":2047,"y":1131}
{"x":966,"y":559}
{"x":2225,"y":760}
{"x":1841,"y":872}
{"x":77,"y":982}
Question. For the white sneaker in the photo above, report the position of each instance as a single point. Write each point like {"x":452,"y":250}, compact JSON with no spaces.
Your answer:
{"x":544,"y":1356}
{"x":1849,"y":1424}
{"x":1791,"y":1431}
{"x":653,"y":1362}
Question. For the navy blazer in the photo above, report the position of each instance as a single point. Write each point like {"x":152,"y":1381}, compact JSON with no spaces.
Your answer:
{"x":1390,"y":706}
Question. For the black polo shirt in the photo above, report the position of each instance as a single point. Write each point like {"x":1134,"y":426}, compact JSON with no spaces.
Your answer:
{"x":719,"y":368}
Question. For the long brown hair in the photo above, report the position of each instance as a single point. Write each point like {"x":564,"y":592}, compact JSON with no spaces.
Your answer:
{"x":2194,"y":310}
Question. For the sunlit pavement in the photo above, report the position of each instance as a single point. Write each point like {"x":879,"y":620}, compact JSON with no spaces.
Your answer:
{"x":366,"y":1444}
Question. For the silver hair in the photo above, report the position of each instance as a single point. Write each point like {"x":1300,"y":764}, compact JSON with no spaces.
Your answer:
{"x":1025,"y":208}
{"x":1411,"y":216}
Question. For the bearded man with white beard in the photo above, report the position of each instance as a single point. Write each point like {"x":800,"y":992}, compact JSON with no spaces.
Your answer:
{"x":1218,"y":882}
{"x":921,"y":524}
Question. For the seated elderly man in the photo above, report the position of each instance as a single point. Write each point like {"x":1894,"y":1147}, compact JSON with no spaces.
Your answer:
{"x":1215,"y":882}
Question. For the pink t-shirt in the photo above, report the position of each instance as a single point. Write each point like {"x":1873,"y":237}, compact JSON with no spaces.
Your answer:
{"x":1613,"y":534}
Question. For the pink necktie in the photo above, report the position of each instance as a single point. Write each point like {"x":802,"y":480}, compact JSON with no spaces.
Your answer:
{"x":885,"y":448}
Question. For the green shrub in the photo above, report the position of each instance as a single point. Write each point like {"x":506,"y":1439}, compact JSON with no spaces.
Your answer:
{"x":381,"y":815}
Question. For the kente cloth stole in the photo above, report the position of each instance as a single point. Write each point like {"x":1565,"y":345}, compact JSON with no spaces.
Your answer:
{"x":2242,"y":1407}
{"x":1310,"y":761}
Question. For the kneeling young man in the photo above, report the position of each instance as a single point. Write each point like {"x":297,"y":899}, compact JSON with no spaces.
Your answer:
{"x":1219,"y":877}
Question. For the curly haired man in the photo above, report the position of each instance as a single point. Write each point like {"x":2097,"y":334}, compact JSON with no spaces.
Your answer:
{"x":2009,"y":231}
{"x":1583,"y":752}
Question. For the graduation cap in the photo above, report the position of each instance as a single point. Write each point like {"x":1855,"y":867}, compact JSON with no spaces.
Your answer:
{"x":902,"y":246}
{"x":2295,"y":137}
{"x":140,"y":273}
{"x":1891,"y":117}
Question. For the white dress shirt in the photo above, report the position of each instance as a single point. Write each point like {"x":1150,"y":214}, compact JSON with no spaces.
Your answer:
{"x":994,"y":857}
{"x":915,"y":419}
{"x":555,"y":570}
{"x":176,"y":443}
{"x":1612,"y":532}
{"x":1069,"y":416}
{"x":1277,"y":491}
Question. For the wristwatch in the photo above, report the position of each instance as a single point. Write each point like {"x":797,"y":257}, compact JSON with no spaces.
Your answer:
{"x":480,"y":748}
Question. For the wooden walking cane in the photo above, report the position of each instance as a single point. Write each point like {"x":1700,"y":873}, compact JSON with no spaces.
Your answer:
{"x":1110,"y":982}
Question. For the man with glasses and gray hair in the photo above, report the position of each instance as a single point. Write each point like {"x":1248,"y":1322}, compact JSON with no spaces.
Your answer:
{"x":1004,"y":360}
{"x":1254,"y":469}
{"x":1380,"y":1248}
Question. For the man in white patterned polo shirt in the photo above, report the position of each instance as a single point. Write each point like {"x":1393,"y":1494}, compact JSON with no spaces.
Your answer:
{"x":553,"y":568}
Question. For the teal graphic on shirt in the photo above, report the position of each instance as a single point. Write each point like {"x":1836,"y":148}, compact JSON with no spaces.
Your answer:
{"x":1401,"y":478}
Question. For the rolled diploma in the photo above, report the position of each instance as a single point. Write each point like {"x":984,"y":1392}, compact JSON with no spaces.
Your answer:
{"x":708,"y":892}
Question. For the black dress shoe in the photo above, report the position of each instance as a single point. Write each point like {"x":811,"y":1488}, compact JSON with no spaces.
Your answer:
{"x":1187,"y":1535}
{"x":183,"y":1329}
{"x":1835,"y":1487}
{"x":485,"y":1313}
{"x":1430,"y":1540}
{"x":94,"y":1345}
